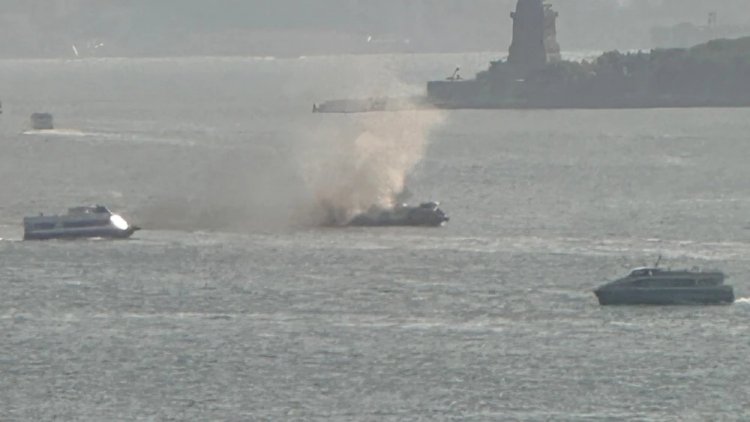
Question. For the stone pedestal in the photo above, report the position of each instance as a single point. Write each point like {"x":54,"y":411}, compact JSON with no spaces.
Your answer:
{"x":527,"y":49}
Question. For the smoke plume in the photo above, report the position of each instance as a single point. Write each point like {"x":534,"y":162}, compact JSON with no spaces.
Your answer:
{"x":366,"y":164}
{"x":344,"y":166}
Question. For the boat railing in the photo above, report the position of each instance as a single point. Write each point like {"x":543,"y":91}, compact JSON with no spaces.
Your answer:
{"x":94,"y":209}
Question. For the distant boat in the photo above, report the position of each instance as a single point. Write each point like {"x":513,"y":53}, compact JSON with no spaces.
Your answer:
{"x":425,"y":214}
{"x":79,"y":222}
{"x":42,"y":121}
{"x":658,"y":286}
{"x":365,"y":105}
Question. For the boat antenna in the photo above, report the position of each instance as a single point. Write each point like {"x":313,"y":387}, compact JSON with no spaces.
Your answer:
{"x":455,"y":76}
{"x":658,"y":260}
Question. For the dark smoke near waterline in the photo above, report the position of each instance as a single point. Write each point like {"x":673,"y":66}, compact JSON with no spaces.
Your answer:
{"x":242,"y":190}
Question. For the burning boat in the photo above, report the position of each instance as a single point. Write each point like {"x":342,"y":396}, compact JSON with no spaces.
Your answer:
{"x":424,"y":214}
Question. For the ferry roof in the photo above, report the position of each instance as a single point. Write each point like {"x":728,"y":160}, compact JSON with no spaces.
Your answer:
{"x":643,"y":270}
{"x":89,"y":209}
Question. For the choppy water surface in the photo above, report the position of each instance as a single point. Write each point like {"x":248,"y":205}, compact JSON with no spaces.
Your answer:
{"x":233,"y":306}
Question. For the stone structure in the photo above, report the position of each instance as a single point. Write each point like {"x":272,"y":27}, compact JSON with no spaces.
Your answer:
{"x":534,"y":35}
{"x":714,"y":74}
{"x":527,"y":49}
{"x":551,"y":47}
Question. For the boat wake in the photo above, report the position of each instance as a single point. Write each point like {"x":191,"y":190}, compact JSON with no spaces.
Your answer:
{"x":743,"y":301}
{"x":58,"y":132}
{"x":108,"y":137}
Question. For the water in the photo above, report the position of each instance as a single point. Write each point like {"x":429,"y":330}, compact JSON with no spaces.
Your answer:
{"x":231,"y":305}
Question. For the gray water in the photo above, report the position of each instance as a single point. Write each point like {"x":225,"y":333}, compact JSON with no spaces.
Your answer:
{"x":232,"y":304}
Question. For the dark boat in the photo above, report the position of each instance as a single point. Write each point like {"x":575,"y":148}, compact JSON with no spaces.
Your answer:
{"x":79,"y":222}
{"x":42,"y":121}
{"x":658,"y":286}
{"x":425,"y":214}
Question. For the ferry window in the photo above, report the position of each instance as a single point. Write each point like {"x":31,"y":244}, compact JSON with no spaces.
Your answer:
{"x":679,"y":283}
{"x":82,"y":224}
{"x":44,"y":226}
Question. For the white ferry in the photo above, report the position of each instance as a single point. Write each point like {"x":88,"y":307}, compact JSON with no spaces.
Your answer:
{"x":79,"y":222}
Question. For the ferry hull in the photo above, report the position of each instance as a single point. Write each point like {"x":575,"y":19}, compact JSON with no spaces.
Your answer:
{"x":711,"y":295}
{"x":107,"y":233}
{"x":95,"y":221}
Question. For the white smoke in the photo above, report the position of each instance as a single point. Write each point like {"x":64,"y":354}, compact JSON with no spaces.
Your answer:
{"x":350,"y":172}
{"x":351,"y":163}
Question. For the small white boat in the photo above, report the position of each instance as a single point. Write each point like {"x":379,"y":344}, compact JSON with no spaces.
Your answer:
{"x":79,"y":222}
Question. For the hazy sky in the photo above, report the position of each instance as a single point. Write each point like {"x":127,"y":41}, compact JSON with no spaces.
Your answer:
{"x":134,"y":27}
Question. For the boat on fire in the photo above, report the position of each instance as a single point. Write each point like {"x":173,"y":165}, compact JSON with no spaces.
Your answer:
{"x":95,"y":221}
{"x":424,"y":214}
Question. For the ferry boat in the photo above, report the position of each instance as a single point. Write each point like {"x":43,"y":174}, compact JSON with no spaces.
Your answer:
{"x":658,"y":286}
{"x":425,"y":214}
{"x":79,"y":222}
